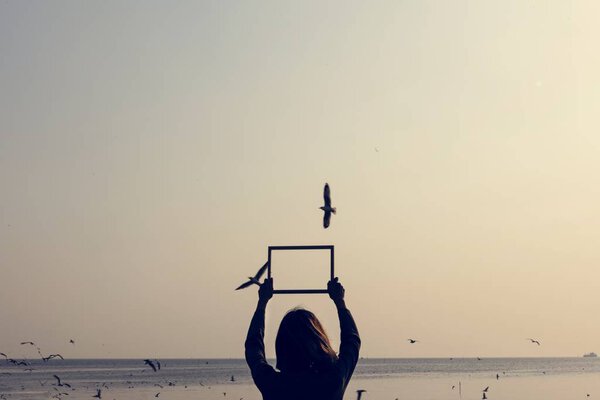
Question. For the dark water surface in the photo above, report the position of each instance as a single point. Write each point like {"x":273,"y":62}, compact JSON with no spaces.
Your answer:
{"x":86,"y":375}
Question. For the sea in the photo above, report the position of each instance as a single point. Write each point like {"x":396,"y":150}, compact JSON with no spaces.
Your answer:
{"x":225,"y":379}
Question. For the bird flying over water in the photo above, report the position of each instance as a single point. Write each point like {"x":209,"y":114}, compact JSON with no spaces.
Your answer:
{"x":533,"y":341}
{"x":51,"y":356}
{"x":72,"y":341}
{"x":31,"y":343}
{"x":412,"y":341}
{"x":254,"y":280}
{"x":359,"y":393}
{"x":59,"y":383}
{"x":151,"y":364}
{"x":327,"y":209}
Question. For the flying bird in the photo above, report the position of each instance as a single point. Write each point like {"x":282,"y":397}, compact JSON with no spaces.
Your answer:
{"x":359,"y":393}
{"x":486,"y":389}
{"x":51,"y":356}
{"x":31,"y":343}
{"x":254,"y":280}
{"x":533,"y":341}
{"x":4,"y":355}
{"x":151,"y":364}
{"x":412,"y":341}
{"x":157,"y":394}
{"x":72,"y":341}
{"x":327,"y":209}
{"x":59,"y":383}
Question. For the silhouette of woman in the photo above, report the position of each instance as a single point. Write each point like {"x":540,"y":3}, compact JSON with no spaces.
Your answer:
{"x":308,"y":366}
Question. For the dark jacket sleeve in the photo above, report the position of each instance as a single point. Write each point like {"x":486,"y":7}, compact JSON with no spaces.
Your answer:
{"x":262,"y":373}
{"x":350,"y":343}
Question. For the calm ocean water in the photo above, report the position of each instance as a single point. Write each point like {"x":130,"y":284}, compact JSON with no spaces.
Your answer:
{"x":119,"y":377}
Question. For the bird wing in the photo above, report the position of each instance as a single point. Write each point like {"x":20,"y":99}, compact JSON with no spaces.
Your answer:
{"x":261,"y":271}
{"x":151,"y":364}
{"x":326,"y":219}
{"x":327,"y":195}
{"x":244,"y":285}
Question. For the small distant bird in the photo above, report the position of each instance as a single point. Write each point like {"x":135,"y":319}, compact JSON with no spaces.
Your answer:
{"x":453,"y":387}
{"x":31,"y":343}
{"x":533,"y":341}
{"x":98,"y":394}
{"x":254,"y":280}
{"x":232,"y":378}
{"x":359,"y":393}
{"x":151,"y":364}
{"x":484,"y":397}
{"x":478,"y":358}
{"x":59,"y":383}
{"x":486,"y":389}
{"x":327,"y":209}
{"x":4,"y":355}
{"x":157,"y":394}
{"x":51,"y":356}
{"x":412,"y":341}
{"x":72,"y":341}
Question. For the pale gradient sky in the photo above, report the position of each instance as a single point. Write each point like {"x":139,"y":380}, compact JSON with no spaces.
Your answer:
{"x":150,"y":151}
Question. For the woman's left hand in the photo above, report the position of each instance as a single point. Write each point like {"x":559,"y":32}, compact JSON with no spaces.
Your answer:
{"x":265,"y":292}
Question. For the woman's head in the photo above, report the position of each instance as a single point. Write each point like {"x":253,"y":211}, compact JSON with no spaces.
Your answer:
{"x":302,"y":343}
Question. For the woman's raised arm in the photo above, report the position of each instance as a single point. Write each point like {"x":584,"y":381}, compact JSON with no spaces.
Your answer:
{"x":350,"y":339}
{"x":255,"y":346}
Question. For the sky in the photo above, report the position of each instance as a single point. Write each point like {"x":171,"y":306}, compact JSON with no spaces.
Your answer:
{"x":151,"y":151}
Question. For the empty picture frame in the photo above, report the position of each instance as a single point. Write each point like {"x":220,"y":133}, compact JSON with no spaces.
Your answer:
{"x":299,"y":248}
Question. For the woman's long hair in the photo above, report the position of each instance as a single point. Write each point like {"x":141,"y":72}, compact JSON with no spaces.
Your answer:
{"x":302,"y":344}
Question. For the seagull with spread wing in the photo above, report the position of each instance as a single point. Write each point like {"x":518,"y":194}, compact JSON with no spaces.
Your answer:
{"x":152,"y":365}
{"x":327,"y":209}
{"x":254,"y":280}
{"x":533,"y":341}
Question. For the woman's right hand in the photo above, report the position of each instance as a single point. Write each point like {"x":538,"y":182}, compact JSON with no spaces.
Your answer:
{"x":336,"y":290}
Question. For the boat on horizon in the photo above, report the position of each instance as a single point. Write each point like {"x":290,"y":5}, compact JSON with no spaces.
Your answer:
{"x":591,"y":354}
